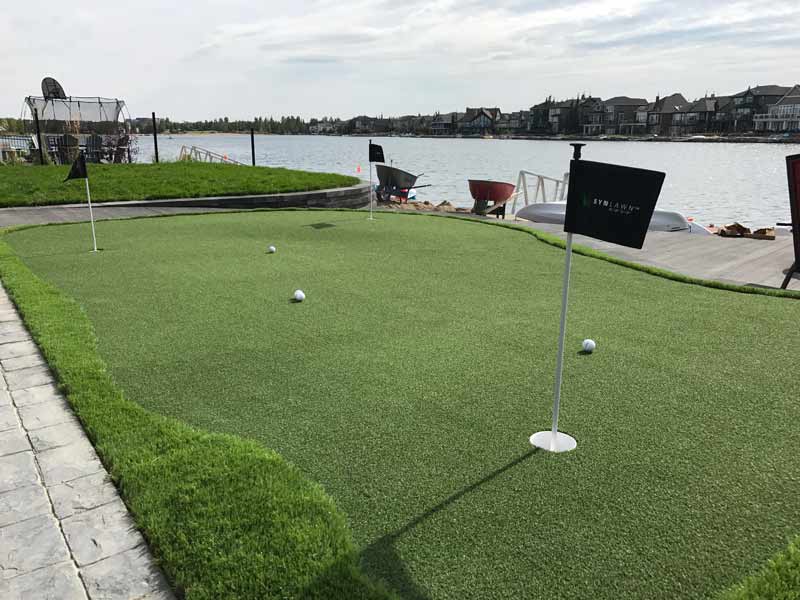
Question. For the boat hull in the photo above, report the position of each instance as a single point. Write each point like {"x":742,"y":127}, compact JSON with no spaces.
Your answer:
{"x":663,"y":220}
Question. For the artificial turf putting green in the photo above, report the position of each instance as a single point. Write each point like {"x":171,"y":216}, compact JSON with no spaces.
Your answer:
{"x":410,"y":379}
{"x":26,"y":185}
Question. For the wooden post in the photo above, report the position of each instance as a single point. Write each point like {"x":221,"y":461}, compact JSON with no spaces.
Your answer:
{"x":155,"y":136}
{"x":38,"y":135}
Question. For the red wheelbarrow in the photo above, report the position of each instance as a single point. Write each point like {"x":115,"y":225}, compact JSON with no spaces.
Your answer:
{"x":496,"y":192}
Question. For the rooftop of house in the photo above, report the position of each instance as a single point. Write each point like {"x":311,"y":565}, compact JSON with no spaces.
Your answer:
{"x":625,"y":101}
{"x":670,"y":104}
{"x":764,"y":90}
{"x":474,"y":113}
{"x":791,"y":97}
{"x":704,"y":105}
{"x":591,"y":100}
{"x":723,"y":101}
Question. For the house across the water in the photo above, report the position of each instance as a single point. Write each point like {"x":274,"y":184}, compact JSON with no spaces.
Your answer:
{"x":783,"y":116}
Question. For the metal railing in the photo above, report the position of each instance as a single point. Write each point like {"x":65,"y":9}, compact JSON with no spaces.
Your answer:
{"x":204,"y":155}
{"x":13,"y":146}
{"x":557,"y":191}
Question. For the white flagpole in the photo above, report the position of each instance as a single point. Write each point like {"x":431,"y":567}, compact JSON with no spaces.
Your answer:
{"x":371,"y":191}
{"x":91,"y":215}
{"x":553,"y":440}
{"x":562,"y":332}
{"x":370,"y":186}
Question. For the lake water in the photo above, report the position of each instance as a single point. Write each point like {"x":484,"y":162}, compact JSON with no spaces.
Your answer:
{"x":712,"y":182}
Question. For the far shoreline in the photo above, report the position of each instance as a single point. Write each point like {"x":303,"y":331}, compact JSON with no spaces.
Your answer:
{"x":616,"y":139}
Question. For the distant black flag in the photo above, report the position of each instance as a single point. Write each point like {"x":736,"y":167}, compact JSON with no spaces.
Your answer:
{"x":78,"y":170}
{"x":611,"y":202}
{"x":375,"y":153}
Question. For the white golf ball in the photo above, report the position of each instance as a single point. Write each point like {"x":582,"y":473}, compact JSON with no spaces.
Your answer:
{"x":299,"y":295}
{"x":272,"y":250}
{"x":589,"y":346}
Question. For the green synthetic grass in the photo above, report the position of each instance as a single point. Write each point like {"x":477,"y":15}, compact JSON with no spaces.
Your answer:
{"x":409,"y":381}
{"x":226,"y":517}
{"x":26,"y":185}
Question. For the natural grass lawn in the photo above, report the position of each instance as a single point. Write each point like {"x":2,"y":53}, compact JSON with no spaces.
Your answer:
{"x":410,"y":379}
{"x":26,"y":185}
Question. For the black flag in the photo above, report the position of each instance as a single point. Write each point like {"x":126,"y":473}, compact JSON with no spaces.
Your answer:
{"x":793,"y":171}
{"x":375,"y":153}
{"x":78,"y":170}
{"x":611,"y":202}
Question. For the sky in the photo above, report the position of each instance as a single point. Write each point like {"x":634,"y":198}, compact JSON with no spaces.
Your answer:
{"x":191,"y":60}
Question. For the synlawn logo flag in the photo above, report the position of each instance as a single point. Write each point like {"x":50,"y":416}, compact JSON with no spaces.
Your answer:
{"x":793,"y":171}
{"x":611,"y":202}
{"x":78,"y":170}
{"x":376,"y":153}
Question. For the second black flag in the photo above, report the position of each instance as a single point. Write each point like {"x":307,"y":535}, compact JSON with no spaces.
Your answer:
{"x":375,"y":153}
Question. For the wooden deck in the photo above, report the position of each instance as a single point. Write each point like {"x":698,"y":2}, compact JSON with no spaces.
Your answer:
{"x":732,"y":260}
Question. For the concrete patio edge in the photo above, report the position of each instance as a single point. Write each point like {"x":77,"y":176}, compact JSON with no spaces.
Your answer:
{"x":64,"y":531}
{"x":354,"y":196}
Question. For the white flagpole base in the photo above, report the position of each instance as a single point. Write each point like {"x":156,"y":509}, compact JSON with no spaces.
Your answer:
{"x":544,"y":440}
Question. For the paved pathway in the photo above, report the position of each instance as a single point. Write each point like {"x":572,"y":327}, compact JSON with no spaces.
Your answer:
{"x":74,"y":213}
{"x":64,"y":532}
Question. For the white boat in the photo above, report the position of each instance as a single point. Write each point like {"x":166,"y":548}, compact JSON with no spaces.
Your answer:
{"x":663,"y":220}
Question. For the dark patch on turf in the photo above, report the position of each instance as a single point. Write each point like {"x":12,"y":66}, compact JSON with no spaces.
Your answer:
{"x":320,"y":225}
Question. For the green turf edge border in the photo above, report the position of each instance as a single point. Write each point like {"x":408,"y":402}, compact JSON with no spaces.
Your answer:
{"x":778,"y":579}
{"x":225,"y":517}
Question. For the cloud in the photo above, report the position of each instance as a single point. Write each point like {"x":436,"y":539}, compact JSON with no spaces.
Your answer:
{"x":761,"y":30}
{"x":196,"y":60}
{"x":311,"y":59}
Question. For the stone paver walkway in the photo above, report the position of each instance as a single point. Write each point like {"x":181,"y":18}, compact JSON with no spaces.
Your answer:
{"x":64,"y":532}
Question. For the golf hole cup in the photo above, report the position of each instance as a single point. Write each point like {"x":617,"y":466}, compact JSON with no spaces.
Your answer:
{"x":588,"y":346}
